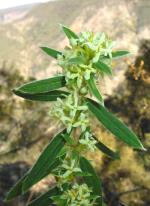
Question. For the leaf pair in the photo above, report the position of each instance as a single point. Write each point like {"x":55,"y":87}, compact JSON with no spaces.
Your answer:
{"x":42,"y":90}
{"x":44,"y":165}
{"x":54,"y":53}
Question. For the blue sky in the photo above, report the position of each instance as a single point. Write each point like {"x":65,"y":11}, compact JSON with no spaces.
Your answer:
{"x":12,"y":3}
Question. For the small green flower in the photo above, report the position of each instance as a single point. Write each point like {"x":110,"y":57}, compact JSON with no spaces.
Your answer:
{"x":71,"y":113}
{"x":82,"y":122}
{"x":88,"y":141}
{"x":78,"y":195}
{"x":67,"y":171}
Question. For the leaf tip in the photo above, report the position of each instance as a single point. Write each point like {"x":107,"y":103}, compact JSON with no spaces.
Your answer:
{"x":143,"y":148}
{"x":62,"y":26}
{"x":42,"y":48}
{"x":9,"y":196}
{"x":14,"y":91}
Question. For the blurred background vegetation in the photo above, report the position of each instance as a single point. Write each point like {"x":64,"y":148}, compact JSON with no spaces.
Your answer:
{"x":26,"y":127}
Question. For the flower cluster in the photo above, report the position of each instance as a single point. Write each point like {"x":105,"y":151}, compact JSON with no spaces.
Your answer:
{"x":67,"y":171}
{"x":78,"y":195}
{"x":78,"y":63}
{"x":78,"y":59}
{"x":71,"y":112}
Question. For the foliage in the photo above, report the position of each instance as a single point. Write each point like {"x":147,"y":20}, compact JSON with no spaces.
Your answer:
{"x":88,"y":57}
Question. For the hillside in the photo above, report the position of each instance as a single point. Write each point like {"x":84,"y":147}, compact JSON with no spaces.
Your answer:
{"x":20,"y":39}
{"x":14,"y":13}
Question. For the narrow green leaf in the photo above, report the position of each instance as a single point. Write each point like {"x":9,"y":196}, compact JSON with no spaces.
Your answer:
{"x":44,"y":161}
{"x":103,"y":148}
{"x":45,"y":199}
{"x":119,"y":54}
{"x":114,"y":125}
{"x":48,"y":96}
{"x":94,"y":90}
{"x":92,"y":181}
{"x":69,"y":33}
{"x":17,"y":189}
{"x":42,"y":86}
{"x":102,"y":67}
{"x":51,"y":52}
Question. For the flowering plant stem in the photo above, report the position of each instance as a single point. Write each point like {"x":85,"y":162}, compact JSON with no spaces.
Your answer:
{"x":88,"y":57}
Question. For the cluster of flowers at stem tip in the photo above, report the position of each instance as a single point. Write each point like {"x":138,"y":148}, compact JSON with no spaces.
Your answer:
{"x":77,"y":61}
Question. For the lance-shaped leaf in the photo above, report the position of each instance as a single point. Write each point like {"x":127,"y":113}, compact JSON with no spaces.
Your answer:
{"x":114,"y":125}
{"x":48,"y":96}
{"x":69,"y":33}
{"x":17,"y":189}
{"x":92,"y":181}
{"x":119,"y":54}
{"x":102,"y":67}
{"x":94,"y":90}
{"x":51,"y":52}
{"x":44,"y":161}
{"x":45,"y":199}
{"x":42,"y":86}
{"x":103,"y":148}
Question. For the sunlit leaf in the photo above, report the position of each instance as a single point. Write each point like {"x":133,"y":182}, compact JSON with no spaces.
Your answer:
{"x":44,"y":161}
{"x":119,"y":54}
{"x":114,"y":125}
{"x":69,"y":33}
{"x":51,"y":52}
{"x":42,"y":86}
